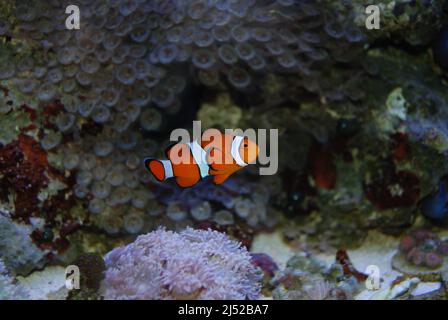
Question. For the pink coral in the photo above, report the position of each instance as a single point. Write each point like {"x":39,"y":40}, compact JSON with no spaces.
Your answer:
{"x":192,"y":264}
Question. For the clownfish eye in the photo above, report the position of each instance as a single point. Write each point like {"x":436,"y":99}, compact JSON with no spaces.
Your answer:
{"x":245,"y":145}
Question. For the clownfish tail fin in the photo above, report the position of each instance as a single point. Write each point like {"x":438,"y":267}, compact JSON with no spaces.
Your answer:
{"x":160,"y":169}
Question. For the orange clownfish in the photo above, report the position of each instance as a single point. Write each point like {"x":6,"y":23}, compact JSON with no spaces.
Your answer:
{"x":189,"y":163}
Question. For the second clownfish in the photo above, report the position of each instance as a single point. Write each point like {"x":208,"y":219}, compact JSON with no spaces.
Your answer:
{"x":189,"y":163}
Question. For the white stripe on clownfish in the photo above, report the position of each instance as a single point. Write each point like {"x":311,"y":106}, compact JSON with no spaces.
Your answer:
{"x":235,"y":151}
{"x":200,"y":157}
{"x":168,"y":167}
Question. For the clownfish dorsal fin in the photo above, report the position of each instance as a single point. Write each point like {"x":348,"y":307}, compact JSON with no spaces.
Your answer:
{"x":167,"y":150}
{"x":220,"y":178}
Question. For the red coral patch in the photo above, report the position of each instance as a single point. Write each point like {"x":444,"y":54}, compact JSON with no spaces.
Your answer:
{"x":390,"y":189}
{"x":347,"y":266}
{"x":323,"y":168}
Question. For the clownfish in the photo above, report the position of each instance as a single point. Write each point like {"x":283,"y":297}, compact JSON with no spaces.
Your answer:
{"x":191,"y":162}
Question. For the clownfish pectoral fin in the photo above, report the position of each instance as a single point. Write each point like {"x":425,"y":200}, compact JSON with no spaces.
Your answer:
{"x":160,"y":169}
{"x":218,"y":179}
{"x":215,"y":159}
{"x":186,"y":182}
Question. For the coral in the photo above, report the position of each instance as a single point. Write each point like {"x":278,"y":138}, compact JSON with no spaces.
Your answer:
{"x":361,"y":117}
{"x":220,"y":114}
{"x":393,"y":189}
{"x":269,"y":268}
{"x":240,"y":199}
{"x":91,"y":266}
{"x":323,"y":169}
{"x":424,"y":248}
{"x":432,"y":132}
{"x":348,"y":269}
{"x":91,"y":269}
{"x":349,"y":184}
{"x":101,"y":97}
{"x":265,"y":262}
{"x":34,"y":188}
{"x":411,"y":22}
{"x":11,"y":123}
{"x":306,"y":278}
{"x":194,"y":264}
